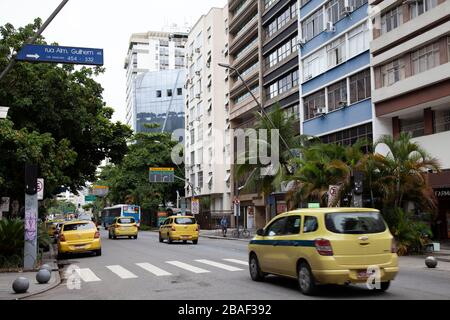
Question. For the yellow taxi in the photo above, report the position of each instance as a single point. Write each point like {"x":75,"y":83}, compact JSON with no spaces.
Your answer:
{"x":179,"y":228}
{"x":79,"y":237}
{"x":326,"y":246}
{"x":51,"y":227}
{"x":123,"y":227}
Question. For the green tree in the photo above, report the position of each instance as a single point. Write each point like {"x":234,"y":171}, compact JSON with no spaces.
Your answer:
{"x":63,"y":103}
{"x":128,"y":181}
{"x":263,"y":178}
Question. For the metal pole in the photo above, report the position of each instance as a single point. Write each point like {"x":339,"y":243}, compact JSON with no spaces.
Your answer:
{"x":31,"y":217}
{"x":12,"y":62}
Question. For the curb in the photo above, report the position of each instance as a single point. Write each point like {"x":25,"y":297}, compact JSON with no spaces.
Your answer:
{"x":225,"y":238}
{"x":55,"y":270}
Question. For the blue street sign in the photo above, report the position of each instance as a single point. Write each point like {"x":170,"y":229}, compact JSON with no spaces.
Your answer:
{"x":57,"y":54}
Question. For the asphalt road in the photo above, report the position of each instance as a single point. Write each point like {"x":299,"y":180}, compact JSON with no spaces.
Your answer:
{"x":212,"y":270}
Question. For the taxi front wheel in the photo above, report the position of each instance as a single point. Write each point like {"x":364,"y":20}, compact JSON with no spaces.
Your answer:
{"x":255,"y":270}
{"x":306,"y":280}
{"x":384,"y":286}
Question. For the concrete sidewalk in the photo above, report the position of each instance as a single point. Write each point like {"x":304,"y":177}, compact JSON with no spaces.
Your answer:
{"x":7,"y":279}
{"x":217,"y":234}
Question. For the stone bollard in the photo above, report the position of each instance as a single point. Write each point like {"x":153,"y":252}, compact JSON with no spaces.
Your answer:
{"x":43,"y":276}
{"x":46,"y":267}
{"x":431,"y":262}
{"x":21,"y":285}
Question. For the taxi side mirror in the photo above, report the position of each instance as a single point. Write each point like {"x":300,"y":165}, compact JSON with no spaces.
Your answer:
{"x":260,"y":232}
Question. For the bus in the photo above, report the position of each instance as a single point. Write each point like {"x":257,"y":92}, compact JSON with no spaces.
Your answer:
{"x":121,"y":210}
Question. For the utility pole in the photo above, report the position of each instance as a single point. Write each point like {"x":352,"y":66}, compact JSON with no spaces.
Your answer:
{"x":31,"y":217}
{"x":12,"y":62}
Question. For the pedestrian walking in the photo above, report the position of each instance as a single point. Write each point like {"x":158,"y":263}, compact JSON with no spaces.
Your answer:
{"x":224,"y":225}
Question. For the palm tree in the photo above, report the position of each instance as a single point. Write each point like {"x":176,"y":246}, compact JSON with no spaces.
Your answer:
{"x":275,"y":176}
{"x":403,"y":172}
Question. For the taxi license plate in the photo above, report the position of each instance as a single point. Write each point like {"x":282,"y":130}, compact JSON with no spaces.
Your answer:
{"x":80,"y":246}
{"x":184,"y":237}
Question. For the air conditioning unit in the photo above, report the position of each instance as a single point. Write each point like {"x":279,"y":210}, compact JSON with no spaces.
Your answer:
{"x":197,"y":50}
{"x":197,"y":73}
{"x":197,"y":95}
{"x":348,"y":10}
{"x":301,"y":42}
{"x":342,"y":104}
{"x":329,"y":27}
{"x":319,"y":112}
{"x":208,"y":65}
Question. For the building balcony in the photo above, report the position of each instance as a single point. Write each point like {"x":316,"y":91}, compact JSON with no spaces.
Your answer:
{"x":424,"y":79}
{"x":412,"y":27}
{"x":249,"y":54}
{"x":250,"y":9}
{"x":241,"y":39}
{"x":244,"y":107}
{"x":250,"y":79}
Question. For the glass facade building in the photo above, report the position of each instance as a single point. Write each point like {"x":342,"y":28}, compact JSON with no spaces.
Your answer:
{"x":160,"y":99}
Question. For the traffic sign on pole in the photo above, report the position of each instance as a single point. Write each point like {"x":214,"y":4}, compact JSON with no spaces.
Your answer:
{"x":58,"y":54}
{"x":195,"y":206}
{"x":40,"y":189}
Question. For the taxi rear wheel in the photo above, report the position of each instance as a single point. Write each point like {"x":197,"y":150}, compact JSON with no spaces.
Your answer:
{"x":306,"y":280}
{"x":98,"y":252}
{"x":255,"y":270}
{"x":160,"y":238}
{"x":170,"y":240}
{"x":195,"y":241}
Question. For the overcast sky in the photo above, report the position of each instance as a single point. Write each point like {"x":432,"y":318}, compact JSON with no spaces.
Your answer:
{"x":105,"y":24}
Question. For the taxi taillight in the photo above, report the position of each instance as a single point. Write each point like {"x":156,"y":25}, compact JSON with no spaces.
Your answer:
{"x":97,"y":235}
{"x":173,"y":228}
{"x":394,"y":246}
{"x":323,"y":247}
{"x":62,"y":238}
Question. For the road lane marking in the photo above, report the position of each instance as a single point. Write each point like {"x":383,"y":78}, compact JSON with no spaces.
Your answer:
{"x":87,"y":275}
{"x":219,"y":265}
{"x":122,"y":272}
{"x":187,"y":267}
{"x":153,"y":269}
{"x":242,"y":262}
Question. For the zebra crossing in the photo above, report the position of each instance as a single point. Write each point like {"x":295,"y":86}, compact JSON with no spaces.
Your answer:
{"x":200,"y":266}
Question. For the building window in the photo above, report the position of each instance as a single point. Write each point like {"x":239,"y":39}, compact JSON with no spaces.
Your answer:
{"x":418,"y":7}
{"x":180,"y":91}
{"x":192,"y":158}
{"x":360,"y":86}
{"x":358,"y":40}
{"x":337,"y":95}
{"x":284,"y":51}
{"x":245,"y":95}
{"x":336,"y":52}
{"x":200,"y":179}
{"x":442,"y":121}
{"x":192,"y":136}
{"x":293,"y":111}
{"x":278,"y":23}
{"x":349,"y":137}
{"x":414,"y":126}
{"x":391,"y":19}
{"x":313,"y":25}
{"x":268,"y":3}
{"x":283,"y":85}
{"x":392,"y":72}
{"x":425,"y":58}
{"x":312,"y":103}
{"x":158,"y":93}
{"x":314,"y":65}
{"x":335,"y":10}
{"x":169,"y":92}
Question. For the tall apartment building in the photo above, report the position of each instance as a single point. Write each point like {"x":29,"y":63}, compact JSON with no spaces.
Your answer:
{"x":151,"y":52}
{"x":280,"y":70}
{"x":335,"y":89}
{"x":411,"y":89}
{"x":207,"y":144}
{"x":245,"y":41}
